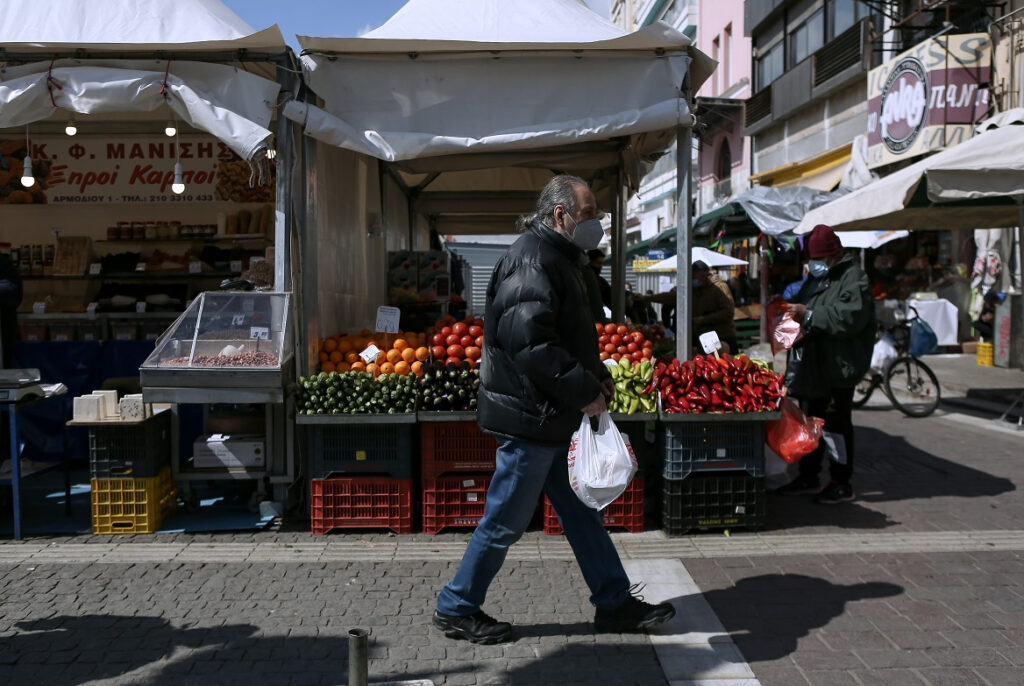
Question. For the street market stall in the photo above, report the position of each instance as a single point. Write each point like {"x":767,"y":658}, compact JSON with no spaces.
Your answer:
{"x":140,"y":169}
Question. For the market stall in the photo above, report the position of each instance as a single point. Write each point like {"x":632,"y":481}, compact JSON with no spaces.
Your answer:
{"x":141,"y":168}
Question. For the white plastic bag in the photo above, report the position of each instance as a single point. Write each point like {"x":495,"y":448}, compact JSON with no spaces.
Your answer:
{"x":601,"y":463}
{"x":883,"y":353}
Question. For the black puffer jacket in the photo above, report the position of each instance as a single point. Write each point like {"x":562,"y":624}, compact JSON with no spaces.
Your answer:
{"x":540,"y":359}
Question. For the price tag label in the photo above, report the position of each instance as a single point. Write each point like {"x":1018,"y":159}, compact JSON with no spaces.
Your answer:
{"x":235,"y":265}
{"x":95,"y":268}
{"x":90,"y":310}
{"x":140,"y":267}
{"x":259,"y":333}
{"x":39,"y":308}
{"x":710,"y":342}
{"x":195,"y":267}
{"x":238,"y":320}
{"x":387,"y":319}
{"x":472,"y":497}
{"x":140,"y":306}
{"x":370,"y":354}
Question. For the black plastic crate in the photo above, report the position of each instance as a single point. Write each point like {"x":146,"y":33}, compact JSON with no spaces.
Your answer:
{"x":718,"y":500}
{"x":137,"y":451}
{"x":351,"y":449}
{"x":719,"y":446}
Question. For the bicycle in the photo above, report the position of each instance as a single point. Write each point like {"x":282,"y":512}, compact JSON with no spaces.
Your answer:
{"x":909,"y":383}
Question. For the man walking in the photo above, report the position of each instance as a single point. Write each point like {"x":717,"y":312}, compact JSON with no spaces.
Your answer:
{"x":540,"y":375}
{"x":837,"y":316}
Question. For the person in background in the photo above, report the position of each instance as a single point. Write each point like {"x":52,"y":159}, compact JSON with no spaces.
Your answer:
{"x":712,"y":309}
{"x":837,"y":317}
{"x":792,"y":289}
{"x":984,"y":325}
{"x":10,"y":299}
{"x":541,"y":377}
{"x":597,"y":257}
{"x":592,"y":280}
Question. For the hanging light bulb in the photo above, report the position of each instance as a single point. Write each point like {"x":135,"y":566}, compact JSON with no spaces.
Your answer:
{"x":70,"y":128}
{"x":171,"y":130}
{"x":27,"y":180}
{"x":178,"y":186}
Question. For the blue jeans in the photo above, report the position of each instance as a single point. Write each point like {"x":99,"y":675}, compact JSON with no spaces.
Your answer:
{"x":523,"y":470}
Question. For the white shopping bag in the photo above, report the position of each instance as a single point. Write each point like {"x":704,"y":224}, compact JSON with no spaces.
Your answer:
{"x":601,"y":463}
{"x":883,"y":353}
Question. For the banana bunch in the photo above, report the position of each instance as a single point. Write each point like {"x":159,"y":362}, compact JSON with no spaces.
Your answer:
{"x":634,"y":386}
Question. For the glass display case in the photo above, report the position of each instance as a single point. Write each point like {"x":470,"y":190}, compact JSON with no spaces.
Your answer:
{"x":224,"y":340}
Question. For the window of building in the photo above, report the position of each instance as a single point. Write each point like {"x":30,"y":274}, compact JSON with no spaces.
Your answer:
{"x":842,"y":14}
{"x":806,"y":37}
{"x":723,"y":170}
{"x":727,"y":57}
{"x":716,"y":54}
{"x":770,"y":65}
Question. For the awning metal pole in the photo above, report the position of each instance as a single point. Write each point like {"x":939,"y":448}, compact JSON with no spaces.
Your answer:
{"x":357,"y":657}
{"x":684,"y":217}
{"x":618,"y":230}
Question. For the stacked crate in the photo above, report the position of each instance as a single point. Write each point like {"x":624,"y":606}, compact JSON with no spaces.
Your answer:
{"x":712,"y":471}
{"x":457,"y":467}
{"x":361,"y":473}
{"x":130,"y":468}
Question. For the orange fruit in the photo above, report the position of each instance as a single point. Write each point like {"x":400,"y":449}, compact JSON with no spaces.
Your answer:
{"x":422,"y":353}
{"x":330,"y":345}
{"x":417,"y":368}
{"x":327,"y":367}
{"x":402,"y":368}
{"x":387,"y":368}
{"x":381,"y":359}
{"x":408,"y":355}
{"x":345,"y":345}
{"x":394,"y":356}
{"x":337,"y":357}
{"x":365,"y":332}
{"x":341,"y":367}
{"x":400,"y":344}
{"x":324,"y":357}
{"x":358,"y":367}
{"x":351,"y":357}
{"x":372,"y":369}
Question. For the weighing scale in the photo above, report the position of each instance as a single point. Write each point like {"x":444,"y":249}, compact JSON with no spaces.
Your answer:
{"x":19,"y":384}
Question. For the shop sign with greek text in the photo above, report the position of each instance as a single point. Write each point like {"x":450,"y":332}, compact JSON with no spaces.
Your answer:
{"x":928,"y":98}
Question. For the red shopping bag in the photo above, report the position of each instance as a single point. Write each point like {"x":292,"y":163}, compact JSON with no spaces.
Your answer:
{"x":795,"y":435}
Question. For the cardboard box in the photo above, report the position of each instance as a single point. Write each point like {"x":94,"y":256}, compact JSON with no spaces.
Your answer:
{"x":222,"y":450}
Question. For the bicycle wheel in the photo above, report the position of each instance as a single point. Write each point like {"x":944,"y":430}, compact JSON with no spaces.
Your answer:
{"x":863,"y":390}
{"x":912,"y":387}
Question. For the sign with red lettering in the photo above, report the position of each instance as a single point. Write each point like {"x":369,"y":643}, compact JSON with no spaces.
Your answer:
{"x":928,"y":98}
{"x":128,"y":169}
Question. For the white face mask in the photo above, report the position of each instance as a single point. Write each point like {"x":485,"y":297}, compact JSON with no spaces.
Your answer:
{"x":587,"y":234}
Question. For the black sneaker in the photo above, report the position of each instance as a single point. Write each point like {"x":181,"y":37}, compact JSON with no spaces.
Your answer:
{"x":475,"y":628}
{"x":836,"y":493}
{"x":801,"y":485}
{"x":633,"y":614}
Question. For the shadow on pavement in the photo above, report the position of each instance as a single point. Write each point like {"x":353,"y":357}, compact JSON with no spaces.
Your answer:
{"x":767,"y":615}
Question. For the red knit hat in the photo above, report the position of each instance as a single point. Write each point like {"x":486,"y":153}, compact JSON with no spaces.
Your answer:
{"x":823,"y":243}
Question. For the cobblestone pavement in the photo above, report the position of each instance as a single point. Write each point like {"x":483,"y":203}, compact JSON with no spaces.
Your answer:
{"x":920,"y":581}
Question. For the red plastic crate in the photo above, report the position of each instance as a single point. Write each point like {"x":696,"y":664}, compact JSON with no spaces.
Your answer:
{"x":455,"y":447}
{"x":626,"y":512}
{"x":361,"y":502}
{"x":454,"y":501}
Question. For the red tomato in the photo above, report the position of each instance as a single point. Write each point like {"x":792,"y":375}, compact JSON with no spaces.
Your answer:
{"x":610,"y":329}
{"x":647,"y":353}
{"x":438,"y":352}
{"x":452,"y":339}
{"x":475,"y":331}
{"x":648,"y":345}
{"x":602,"y":339}
{"x":616,"y":339}
{"x":460,"y":329}
{"x":456,"y":350}
{"x":453,"y":360}
{"x":479,"y":341}
{"x":609,"y":348}
{"x":437,"y":339}
{"x":473,"y":353}
{"x":604,"y":356}
{"x":622,"y":329}
{"x":621,"y":350}
{"x":637,"y":337}
{"x":632,"y":347}
{"x":599,"y":326}
{"x":636,"y":357}
{"x":446,"y":330}
{"x":616,"y":357}
{"x":466,"y":341}
{"x":478,"y":322}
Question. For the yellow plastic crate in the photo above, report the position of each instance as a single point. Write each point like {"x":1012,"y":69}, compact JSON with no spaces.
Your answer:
{"x":132,"y":506}
{"x":985,"y":354}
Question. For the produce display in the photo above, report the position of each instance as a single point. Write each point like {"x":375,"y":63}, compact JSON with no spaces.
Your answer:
{"x":453,"y":342}
{"x":618,"y":341}
{"x":354,"y":393}
{"x":725,"y":384}
{"x":403,"y":353}
{"x":448,"y":387}
{"x":254,"y":358}
{"x":634,"y":386}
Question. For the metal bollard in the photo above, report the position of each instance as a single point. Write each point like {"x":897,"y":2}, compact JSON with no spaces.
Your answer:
{"x":357,"y":657}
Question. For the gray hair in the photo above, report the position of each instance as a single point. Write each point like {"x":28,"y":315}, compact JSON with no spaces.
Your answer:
{"x":560,"y":190}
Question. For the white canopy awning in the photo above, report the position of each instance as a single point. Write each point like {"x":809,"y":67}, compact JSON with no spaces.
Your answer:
{"x":224,"y":101}
{"x":709,"y":257}
{"x":445,"y":77}
{"x":869,"y":239}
